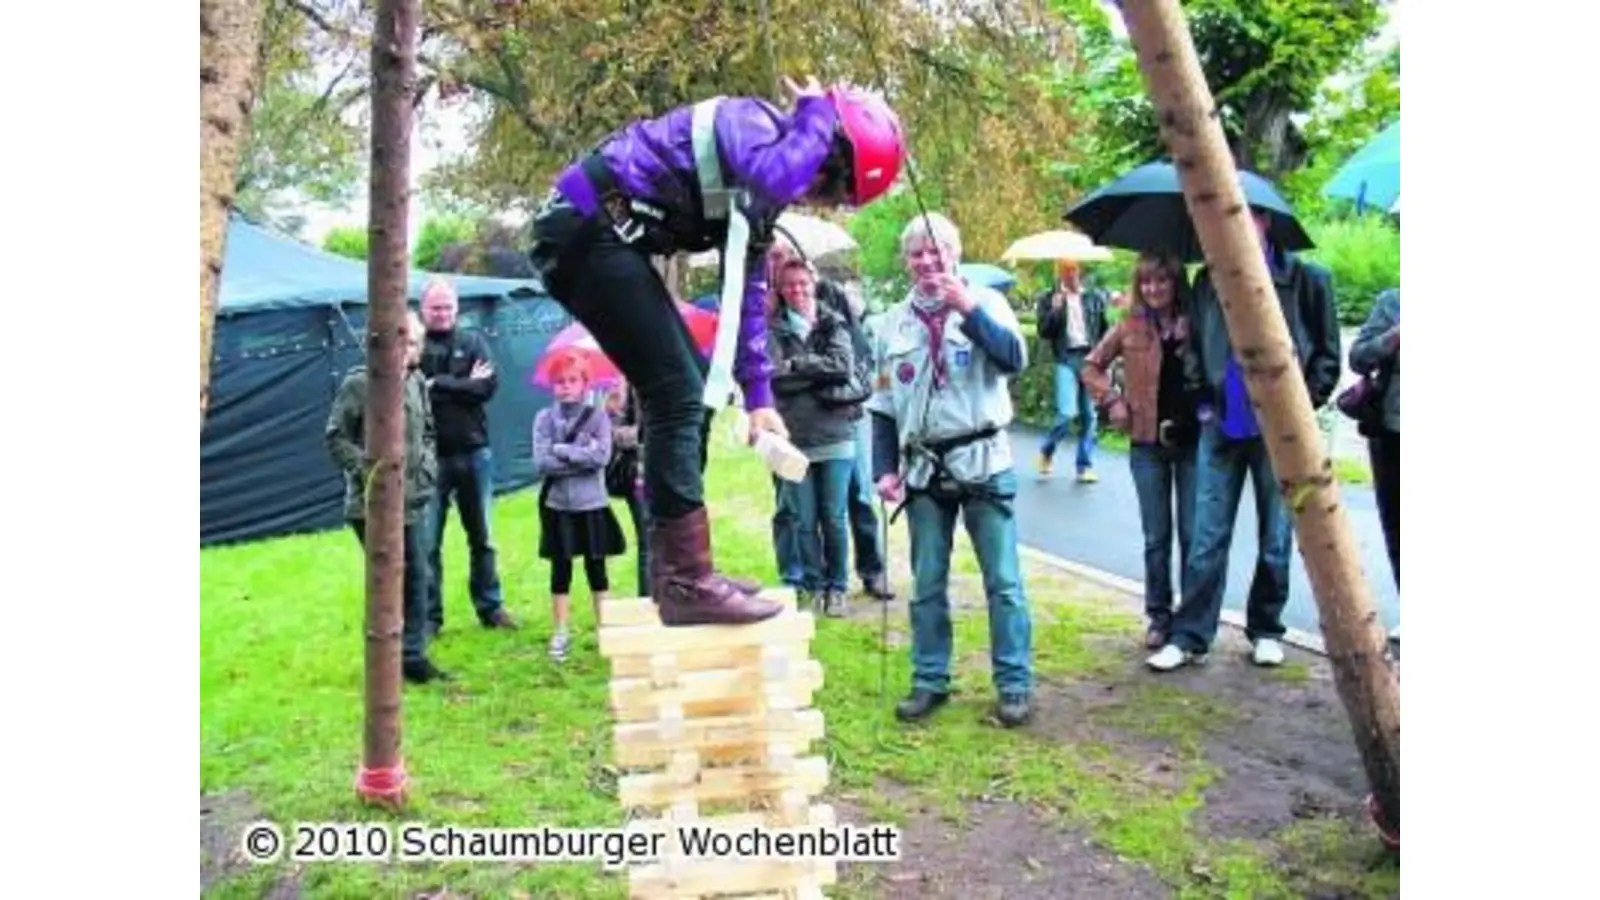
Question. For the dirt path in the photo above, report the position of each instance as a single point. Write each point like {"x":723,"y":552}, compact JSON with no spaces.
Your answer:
{"x":1280,"y":782}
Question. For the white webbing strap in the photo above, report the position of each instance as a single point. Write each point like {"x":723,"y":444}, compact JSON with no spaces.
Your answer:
{"x":720,"y":203}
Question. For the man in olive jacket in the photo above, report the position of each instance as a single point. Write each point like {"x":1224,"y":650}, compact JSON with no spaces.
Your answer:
{"x":1232,"y":451}
{"x":346,"y":440}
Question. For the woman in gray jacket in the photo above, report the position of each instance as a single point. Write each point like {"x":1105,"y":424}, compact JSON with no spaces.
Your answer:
{"x":1376,"y":351}
{"x":814,"y":361}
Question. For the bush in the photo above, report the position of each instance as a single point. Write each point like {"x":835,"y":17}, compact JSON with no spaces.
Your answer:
{"x":438,"y":233}
{"x":346,"y":240}
{"x":1363,"y":253}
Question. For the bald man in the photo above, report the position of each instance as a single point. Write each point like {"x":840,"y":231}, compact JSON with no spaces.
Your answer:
{"x":461,"y":381}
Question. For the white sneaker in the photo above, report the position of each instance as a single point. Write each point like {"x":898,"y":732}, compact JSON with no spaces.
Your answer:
{"x":1268,"y":653}
{"x":1173,"y":657}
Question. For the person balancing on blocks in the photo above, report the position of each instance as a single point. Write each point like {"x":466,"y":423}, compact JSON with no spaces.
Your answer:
{"x":714,"y":173}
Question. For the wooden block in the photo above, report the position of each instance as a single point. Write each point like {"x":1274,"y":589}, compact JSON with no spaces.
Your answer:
{"x":810,"y":775}
{"x":729,"y":657}
{"x":778,"y":757}
{"x":632,"y":698}
{"x":776,"y":662}
{"x":669,"y":723}
{"x":626,"y":611}
{"x":820,"y":815}
{"x":711,"y":757}
{"x":683,"y":768}
{"x":790,"y":810}
{"x":642,"y":743}
{"x":637,"y":640}
{"x":812,"y":891}
{"x":664,"y":672}
{"x":723,"y":877}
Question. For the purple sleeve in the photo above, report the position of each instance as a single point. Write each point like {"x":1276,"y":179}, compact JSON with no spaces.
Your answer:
{"x":775,"y":158}
{"x":753,"y":363}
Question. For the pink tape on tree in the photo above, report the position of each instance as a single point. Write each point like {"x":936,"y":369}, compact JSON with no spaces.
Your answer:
{"x":382,"y":783}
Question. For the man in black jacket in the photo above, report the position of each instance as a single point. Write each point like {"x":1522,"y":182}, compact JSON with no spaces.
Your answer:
{"x":461,"y":380}
{"x":1231,"y":450}
{"x":1072,"y":320}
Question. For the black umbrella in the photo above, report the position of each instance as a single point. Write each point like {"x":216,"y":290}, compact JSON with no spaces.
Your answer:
{"x":1144,"y":211}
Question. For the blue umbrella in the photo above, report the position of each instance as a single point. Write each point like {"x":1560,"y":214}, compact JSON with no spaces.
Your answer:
{"x":1372,"y":176}
{"x":1144,"y":211}
{"x":987,"y":275}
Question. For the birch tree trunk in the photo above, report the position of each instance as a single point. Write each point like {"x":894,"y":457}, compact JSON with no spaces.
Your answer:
{"x":230,"y":37}
{"x":1355,"y":639}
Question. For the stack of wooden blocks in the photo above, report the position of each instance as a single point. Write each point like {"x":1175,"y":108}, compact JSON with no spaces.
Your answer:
{"x":714,"y":726}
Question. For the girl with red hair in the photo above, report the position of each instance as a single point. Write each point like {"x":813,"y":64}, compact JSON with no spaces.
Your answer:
{"x":571,"y":446}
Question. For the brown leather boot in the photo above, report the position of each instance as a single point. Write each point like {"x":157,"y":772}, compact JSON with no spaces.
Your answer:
{"x":686,"y":589}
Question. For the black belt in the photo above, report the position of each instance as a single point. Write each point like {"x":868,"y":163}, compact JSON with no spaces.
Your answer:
{"x":934,"y":452}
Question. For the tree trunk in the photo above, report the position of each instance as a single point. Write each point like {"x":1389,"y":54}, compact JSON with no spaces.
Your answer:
{"x":1355,"y":640}
{"x":394,"y":76}
{"x":230,"y":38}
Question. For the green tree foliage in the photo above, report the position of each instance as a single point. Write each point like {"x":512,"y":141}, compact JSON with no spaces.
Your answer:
{"x":1347,"y":118}
{"x":308,"y":134}
{"x":974,"y":92}
{"x":1266,"y":61}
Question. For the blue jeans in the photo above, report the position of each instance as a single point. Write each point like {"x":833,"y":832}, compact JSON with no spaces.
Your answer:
{"x":863,"y":517}
{"x":992,"y":525}
{"x":1163,"y":478}
{"x":786,"y":535}
{"x":822,"y":525}
{"x":1221,"y":467}
{"x":468,"y":479}
{"x":1073,"y":403}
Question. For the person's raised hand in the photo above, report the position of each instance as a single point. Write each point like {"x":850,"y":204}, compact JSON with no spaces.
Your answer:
{"x":810,"y":88}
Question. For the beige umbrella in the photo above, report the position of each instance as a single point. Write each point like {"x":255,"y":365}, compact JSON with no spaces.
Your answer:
{"x":816,"y":237}
{"x":1056,"y":245}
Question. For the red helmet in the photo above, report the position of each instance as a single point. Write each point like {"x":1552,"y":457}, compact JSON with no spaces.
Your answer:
{"x":877,"y":145}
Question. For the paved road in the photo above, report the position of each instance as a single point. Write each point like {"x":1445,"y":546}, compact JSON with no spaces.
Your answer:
{"x":1098,"y":525}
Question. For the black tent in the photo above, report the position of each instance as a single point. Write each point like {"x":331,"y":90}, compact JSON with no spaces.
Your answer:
{"x":290,"y":324}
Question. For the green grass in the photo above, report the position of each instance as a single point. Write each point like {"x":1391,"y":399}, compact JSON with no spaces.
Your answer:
{"x":519,"y":741}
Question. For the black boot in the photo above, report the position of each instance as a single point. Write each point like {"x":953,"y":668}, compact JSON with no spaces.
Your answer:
{"x":423,"y":671}
{"x":1014,"y":710}
{"x":919,"y":705}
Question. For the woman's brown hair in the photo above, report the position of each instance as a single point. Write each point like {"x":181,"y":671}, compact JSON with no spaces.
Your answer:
{"x":1150,"y":264}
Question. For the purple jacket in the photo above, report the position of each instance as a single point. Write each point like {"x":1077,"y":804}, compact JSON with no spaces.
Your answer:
{"x":772,"y":155}
{"x":576,"y":471}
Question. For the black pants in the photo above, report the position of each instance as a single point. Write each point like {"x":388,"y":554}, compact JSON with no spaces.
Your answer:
{"x":594,"y":569}
{"x":611,"y":288}
{"x":1384,"y":451}
{"x":413,"y":590}
{"x":641,"y":540}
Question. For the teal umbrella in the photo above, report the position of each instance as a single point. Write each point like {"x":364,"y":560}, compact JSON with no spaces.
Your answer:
{"x":1372,"y":176}
{"x":988,"y":276}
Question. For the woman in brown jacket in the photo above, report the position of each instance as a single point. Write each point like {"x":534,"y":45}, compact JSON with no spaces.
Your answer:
{"x":1159,"y":415}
